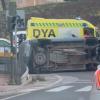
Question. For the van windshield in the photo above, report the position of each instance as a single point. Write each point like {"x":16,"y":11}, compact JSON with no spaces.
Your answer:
{"x":88,"y":32}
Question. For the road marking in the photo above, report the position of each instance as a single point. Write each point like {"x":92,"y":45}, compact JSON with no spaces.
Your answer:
{"x":58,"y":89}
{"x":14,"y":96}
{"x":85,"y":80}
{"x":82,"y":82}
{"x":77,"y":82}
{"x":85,"y":89}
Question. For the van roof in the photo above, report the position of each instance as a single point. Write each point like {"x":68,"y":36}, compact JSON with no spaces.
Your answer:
{"x":42,"y":22}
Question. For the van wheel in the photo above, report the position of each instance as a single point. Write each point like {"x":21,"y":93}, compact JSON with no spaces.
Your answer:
{"x":40,"y":59}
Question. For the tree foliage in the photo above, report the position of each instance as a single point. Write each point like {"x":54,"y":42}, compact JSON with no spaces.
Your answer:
{"x":87,"y":9}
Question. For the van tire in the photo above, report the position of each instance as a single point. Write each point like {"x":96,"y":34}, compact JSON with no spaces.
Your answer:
{"x":38,"y":59}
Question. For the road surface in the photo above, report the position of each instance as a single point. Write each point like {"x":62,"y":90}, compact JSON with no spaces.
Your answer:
{"x":74,"y":86}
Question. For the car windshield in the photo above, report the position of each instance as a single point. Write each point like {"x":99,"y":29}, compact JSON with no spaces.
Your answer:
{"x":89,"y":32}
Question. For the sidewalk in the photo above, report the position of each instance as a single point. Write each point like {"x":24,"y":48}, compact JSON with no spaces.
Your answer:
{"x":95,"y":93}
{"x":4,"y":79}
{"x":38,"y":82}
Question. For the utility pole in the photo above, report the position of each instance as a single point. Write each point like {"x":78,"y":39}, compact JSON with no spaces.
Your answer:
{"x":3,"y":4}
{"x":12,"y":25}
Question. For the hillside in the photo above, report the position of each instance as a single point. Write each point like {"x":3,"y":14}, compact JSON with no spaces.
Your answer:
{"x":89,"y":10}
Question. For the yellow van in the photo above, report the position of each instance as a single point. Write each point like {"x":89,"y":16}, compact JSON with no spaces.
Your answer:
{"x":41,"y":28}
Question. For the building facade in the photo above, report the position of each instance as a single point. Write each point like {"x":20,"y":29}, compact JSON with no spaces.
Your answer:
{"x":27,"y":3}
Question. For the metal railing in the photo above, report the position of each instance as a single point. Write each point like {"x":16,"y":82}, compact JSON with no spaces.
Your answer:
{"x":5,"y":55}
{"x":12,"y":65}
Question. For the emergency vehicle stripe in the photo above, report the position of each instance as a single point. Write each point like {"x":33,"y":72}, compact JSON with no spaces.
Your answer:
{"x":75,"y":25}
{"x":36,"y":24}
{"x":40,"y":24}
{"x":70,"y":24}
{"x":32,"y":24}
{"x":50,"y":24}
{"x":54,"y":24}
{"x":47,"y":24}
{"x":80,"y":24}
{"x":57,"y":24}
{"x":43,"y":24}
{"x":66,"y":24}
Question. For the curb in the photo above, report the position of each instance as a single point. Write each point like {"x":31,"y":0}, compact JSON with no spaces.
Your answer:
{"x":58,"y":81}
{"x":95,"y":94}
{"x":31,"y":87}
{"x":28,"y":90}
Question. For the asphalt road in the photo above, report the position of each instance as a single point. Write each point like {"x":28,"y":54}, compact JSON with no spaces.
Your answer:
{"x":74,"y":86}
